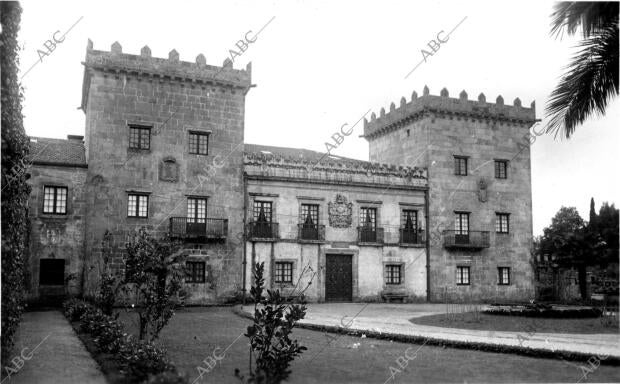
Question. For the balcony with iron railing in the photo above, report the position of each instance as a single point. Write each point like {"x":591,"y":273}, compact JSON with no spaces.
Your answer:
{"x":370,"y":235}
{"x":198,"y":229}
{"x":466,"y":239}
{"x":311,"y":232}
{"x":262,"y":230}
{"x":411,"y":237}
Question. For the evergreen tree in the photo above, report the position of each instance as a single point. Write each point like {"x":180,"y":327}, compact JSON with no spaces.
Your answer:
{"x":592,"y":213}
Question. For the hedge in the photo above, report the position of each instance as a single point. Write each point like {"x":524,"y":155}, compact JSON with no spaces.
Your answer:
{"x":143,"y":361}
{"x":15,"y":190}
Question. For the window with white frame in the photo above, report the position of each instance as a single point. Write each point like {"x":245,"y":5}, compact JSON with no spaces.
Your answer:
{"x":502,"y":222}
{"x":460,"y":165}
{"x":284,"y":272}
{"x":504,"y":275}
{"x":462,"y":275}
{"x":393,"y":274}
{"x":137,"y":205}
{"x":55,"y":200}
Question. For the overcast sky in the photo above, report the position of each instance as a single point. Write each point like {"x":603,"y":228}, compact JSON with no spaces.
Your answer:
{"x":320,"y":64}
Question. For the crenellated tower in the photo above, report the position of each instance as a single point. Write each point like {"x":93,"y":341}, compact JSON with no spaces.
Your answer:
{"x":479,"y":175}
{"x":164,"y":145}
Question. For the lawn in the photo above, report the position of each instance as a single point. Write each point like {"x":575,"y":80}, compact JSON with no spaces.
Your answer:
{"x":194,"y":333}
{"x":487,"y":322}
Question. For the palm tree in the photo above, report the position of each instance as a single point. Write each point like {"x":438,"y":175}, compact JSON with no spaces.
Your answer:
{"x":591,"y":79}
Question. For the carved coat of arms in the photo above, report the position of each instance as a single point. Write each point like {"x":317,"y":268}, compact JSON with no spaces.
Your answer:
{"x":340,"y":212}
{"x":482,"y":191}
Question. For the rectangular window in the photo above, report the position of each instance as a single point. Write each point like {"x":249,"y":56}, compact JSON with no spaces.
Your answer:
{"x":502,"y":222}
{"x":310,"y":214}
{"x":284,"y":272}
{"x":55,"y":200}
{"x":462,"y":275}
{"x":199,"y":143}
{"x":139,"y":137}
{"x":504,"y":275}
{"x":409,"y":219}
{"x":196,"y":210}
{"x":409,"y":226}
{"x":309,"y":222}
{"x":393,"y":274}
{"x":460,"y":165}
{"x":461,"y":223}
{"x":195,"y":272}
{"x":501,"y":169}
{"x":262,"y":211}
{"x":368,"y":217}
{"x":137,"y":205}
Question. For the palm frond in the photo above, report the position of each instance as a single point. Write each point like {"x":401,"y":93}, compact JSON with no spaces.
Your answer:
{"x":590,"y":83}
{"x":592,"y":17}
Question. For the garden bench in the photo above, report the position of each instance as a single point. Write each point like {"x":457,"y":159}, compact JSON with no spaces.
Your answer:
{"x":389,"y":296}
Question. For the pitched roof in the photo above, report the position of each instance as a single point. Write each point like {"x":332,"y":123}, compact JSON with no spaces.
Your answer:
{"x":296,"y":153}
{"x":44,"y":150}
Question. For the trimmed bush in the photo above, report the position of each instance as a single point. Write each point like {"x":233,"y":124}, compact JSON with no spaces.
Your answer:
{"x":143,"y":359}
{"x":74,"y":309}
{"x":111,"y":337}
{"x":543,"y":310}
{"x":93,"y":321}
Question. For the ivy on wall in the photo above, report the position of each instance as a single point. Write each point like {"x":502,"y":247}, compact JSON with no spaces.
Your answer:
{"x":15,"y":191}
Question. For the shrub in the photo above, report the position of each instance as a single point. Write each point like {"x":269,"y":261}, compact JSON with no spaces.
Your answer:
{"x":93,"y":321}
{"x":270,"y":343}
{"x":543,"y":310}
{"x":74,"y":309}
{"x":111,"y":337}
{"x":143,"y":358}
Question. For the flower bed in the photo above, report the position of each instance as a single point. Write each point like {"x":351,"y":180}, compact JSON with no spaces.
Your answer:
{"x":122,"y":358}
{"x":543,"y":310}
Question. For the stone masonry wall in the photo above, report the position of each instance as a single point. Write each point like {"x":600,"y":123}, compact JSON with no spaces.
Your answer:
{"x":429,"y":132}
{"x":288,"y":184}
{"x":172,"y":97}
{"x":54,"y":236}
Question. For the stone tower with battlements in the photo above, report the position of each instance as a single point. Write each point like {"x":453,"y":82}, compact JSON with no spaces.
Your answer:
{"x":164,"y":146}
{"x":479,"y":176}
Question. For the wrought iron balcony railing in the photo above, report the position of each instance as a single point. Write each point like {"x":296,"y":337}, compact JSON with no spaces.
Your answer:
{"x":412,"y":236}
{"x":188,"y":227}
{"x":314,"y":232}
{"x":466,"y":239}
{"x":262,"y":230}
{"x":370,"y":235}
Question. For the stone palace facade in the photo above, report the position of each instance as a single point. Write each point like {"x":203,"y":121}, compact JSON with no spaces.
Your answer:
{"x":442,"y":211}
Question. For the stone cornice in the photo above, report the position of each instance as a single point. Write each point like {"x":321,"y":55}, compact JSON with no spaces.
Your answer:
{"x":328,"y":165}
{"x":381,"y":186}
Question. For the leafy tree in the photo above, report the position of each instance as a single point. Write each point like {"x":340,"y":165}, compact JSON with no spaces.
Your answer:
{"x":572,"y":243}
{"x":591,"y":80}
{"x":270,"y":342}
{"x":153,"y":279}
{"x":15,"y":190}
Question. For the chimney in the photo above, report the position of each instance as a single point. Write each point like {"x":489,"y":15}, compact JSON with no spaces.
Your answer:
{"x":79,"y":138}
